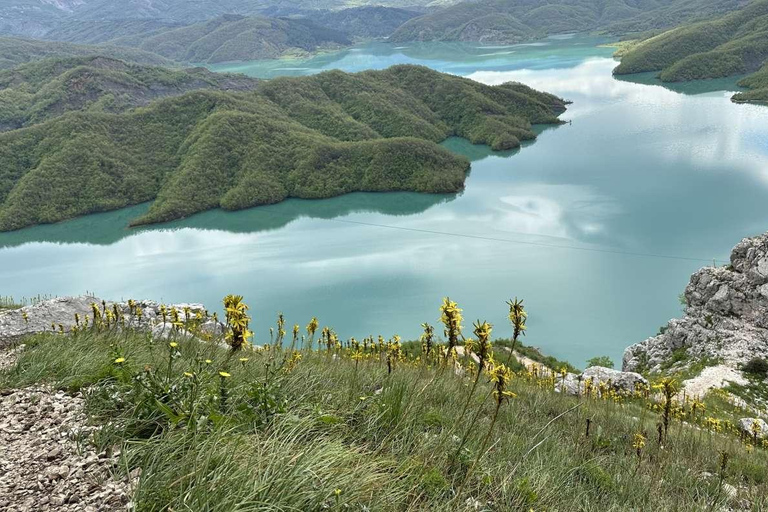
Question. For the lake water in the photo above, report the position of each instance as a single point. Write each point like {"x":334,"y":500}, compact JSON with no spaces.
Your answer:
{"x":597,"y":225}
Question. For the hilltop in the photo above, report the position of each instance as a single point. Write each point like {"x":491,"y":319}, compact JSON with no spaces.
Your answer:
{"x":308,"y":137}
{"x":514,"y":21}
{"x":233,"y":38}
{"x":15,"y":51}
{"x":41,"y":90}
{"x":733,"y":44}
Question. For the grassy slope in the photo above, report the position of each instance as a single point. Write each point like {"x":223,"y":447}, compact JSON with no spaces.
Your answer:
{"x":15,"y":51}
{"x":309,"y":137}
{"x":330,"y":433}
{"x":40,"y":90}
{"x":732,"y":44}
{"x":513,"y":21}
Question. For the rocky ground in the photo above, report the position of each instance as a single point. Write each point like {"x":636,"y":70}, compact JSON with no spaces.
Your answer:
{"x":46,"y":463}
{"x":43,"y":467}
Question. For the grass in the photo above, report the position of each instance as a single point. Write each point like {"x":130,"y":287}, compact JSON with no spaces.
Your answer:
{"x":8,"y":302}
{"x":285,"y":429}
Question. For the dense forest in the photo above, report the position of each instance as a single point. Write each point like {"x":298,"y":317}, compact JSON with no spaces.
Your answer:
{"x":40,"y":90}
{"x":39,"y":18}
{"x":733,"y":44}
{"x":233,"y":37}
{"x":309,"y":137}
{"x":15,"y":51}
{"x":513,"y":21}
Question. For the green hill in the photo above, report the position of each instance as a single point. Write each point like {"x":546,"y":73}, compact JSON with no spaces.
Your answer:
{"x":367,"y":22}
{"x":15,"y":51}
{"x":104,"y":31}
{"x":37,"y":91}
{"x":758,"y":82}
{"x":513,"y":21}
{"x":733,"y":44}
{"x":308,"y":137}
{"x":232,"y":38}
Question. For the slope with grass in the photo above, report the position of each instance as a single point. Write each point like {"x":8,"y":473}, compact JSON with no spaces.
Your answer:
{"x":733,"y":44}
{"x":15,"y":51}
{"x":308,"y":137}
{"x":317,"y":422}
{"x":513,"y":21}
{"x":41,"y":90}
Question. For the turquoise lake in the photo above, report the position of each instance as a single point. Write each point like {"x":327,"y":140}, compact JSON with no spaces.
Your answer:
{"x":597,"y":225}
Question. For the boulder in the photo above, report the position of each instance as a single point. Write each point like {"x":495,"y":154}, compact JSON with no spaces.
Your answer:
{"x":626,"y":381}
{"x":746,"y":426}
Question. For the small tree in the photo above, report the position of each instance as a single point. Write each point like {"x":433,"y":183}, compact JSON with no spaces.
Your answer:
{"x":603,"y":361}
{"x":757,"y":367}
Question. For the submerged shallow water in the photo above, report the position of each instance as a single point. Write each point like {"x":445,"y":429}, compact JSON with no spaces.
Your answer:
{"x":597,"y":225}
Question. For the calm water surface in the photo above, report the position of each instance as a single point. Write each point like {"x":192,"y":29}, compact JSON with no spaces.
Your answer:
{"x":598,"y":224}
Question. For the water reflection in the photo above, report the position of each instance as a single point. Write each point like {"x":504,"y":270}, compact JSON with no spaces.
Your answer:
{"x":598,"y":224}
{"x":108,"y":228}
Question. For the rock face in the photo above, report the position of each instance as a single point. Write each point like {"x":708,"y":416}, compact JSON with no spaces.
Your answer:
{"x":50,"y":314}
{"x":726,"y":315}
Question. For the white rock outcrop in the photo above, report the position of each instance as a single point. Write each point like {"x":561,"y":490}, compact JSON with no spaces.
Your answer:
{"x":726,"y":317}
{"x":48,"y":315}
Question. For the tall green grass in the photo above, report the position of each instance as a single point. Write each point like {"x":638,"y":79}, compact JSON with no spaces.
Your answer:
{"x":332,"y":432}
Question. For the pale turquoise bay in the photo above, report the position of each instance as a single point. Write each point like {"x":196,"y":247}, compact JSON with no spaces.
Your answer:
{"x":597,"y":225}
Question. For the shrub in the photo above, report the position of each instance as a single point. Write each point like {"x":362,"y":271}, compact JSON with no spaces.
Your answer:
{"x":757,"y":367}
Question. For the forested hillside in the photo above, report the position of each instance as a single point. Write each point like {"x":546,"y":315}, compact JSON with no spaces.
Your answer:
{"x":308,"y":137}
{"x":104,"y":31}
{"x":368,"y":22}
{"x":733,"y":44}
{"x":38,"y":91}
{"x":38,"y":18}
{"x":232,"y":37}
{"x":15,"y":51}
{"x":513,"y":21}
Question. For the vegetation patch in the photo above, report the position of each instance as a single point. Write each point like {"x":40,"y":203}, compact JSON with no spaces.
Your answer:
{"x":310,"y":421}
{"x":311,"y":137}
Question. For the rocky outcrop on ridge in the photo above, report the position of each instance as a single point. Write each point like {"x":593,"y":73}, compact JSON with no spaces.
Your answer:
{"x":726,"y":318}
{"x":59,"y":314}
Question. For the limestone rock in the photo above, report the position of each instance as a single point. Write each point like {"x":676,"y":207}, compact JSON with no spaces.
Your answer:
{"x":626,"y":381}
{"x":746,"y":425}
{"x":726,"y":317}
{"x":48,"y":315}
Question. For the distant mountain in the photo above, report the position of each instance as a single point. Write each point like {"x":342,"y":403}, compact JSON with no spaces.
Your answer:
{"x":233,"y":37}
{"x":732,"y":44}
{"x":35,"y":92}
{"x":36,"y":18}
{"x":368,"y":22}
{"x":103,"y":31}
{"x":15,"y":51}
{"x":309,"y":137}
{"x":514,"y":21}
